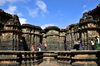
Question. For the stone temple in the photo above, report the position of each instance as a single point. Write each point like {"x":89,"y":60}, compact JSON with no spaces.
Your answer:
{"x":14,"y":36}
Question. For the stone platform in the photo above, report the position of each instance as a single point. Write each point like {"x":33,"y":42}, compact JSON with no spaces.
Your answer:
{"x":50,"y":58}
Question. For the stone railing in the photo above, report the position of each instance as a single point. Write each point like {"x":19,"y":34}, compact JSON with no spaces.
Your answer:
{"x":79,"y":58}
{"x":20,"y":58}
{"x":62,"y":58}
{"x":85,"y":58}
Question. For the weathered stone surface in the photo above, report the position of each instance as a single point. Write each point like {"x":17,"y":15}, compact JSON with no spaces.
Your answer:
{"x":14,"y":36}
{"x":85,"y":30}
{"x":32,"y":35}
{"x":50,"y":58}
{"x":10,"y":33}
{"x":55,"y":38}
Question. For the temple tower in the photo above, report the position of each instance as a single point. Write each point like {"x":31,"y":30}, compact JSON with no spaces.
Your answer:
{"x":31,"y":35}
{"x":10,"y":32}
{"x":52,"y":38}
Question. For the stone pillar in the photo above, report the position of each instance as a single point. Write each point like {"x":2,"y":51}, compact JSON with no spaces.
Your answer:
{"x":52,"y":38}
{"x":62,"y":40}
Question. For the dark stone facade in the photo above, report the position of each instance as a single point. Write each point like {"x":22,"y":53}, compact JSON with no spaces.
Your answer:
{"x":14,"y":36}
{"x":32,"y":35}
{"x":87,"y":29}
{"x":10,"y":33}
{"x":54,"y":37}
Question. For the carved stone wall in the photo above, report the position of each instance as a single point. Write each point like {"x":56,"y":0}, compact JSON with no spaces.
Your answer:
{"x":14,"y":36}
{"x":84,"y":31}
{"x":10,"y":34}
{"x":62,"y":40}
{"x":32,"y":35}
{"x":52,"y":38}
{"x":55,"y":38}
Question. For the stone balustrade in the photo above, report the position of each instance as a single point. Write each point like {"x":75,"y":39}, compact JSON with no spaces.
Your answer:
{"x":62,"y":58}
{"x":20,"y":58}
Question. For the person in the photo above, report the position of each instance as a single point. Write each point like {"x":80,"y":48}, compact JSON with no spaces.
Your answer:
{"x":98,"y":40}
{"x":80,"y":46}
{"x":39,"y":49}
{"x":32,"y":47}
{"x":45,"y":46}
{"x":97,"y":43}
{"x":40,"y":46}
{"x":92,"y":45}
{"x":76,"y":46}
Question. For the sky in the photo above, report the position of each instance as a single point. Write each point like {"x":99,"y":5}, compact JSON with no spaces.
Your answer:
{"x":45,"y":13}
